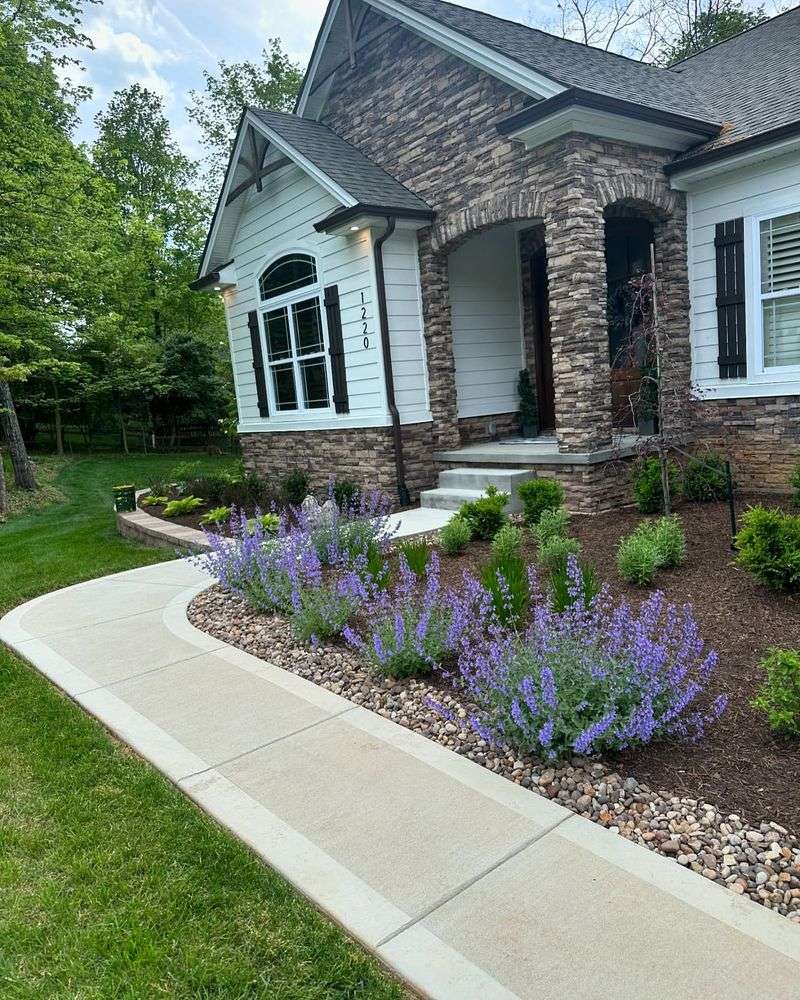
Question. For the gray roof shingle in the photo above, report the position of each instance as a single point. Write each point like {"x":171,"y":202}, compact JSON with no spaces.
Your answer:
{"x":368,"y":183}
{"x":752,"y":79}
{"x":574,"y":64}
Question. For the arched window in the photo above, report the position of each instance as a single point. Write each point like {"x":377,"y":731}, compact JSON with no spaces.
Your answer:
{"x":295,"y":334}
{"x":295,"y":270}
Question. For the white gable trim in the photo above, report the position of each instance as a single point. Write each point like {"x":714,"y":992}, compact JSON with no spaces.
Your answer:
{"x":483,"y":57}
{"x":313,"y":171}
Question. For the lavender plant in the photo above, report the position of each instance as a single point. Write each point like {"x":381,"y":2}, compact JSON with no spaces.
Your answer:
{"x":405,"y":628}
{"x":264,"y":569}
{"x":340,"y":536}
{"x":589,"y":678}
{"x":322,"y":612}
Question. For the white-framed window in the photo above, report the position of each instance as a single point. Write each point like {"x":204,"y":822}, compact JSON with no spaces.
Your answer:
{"x":777,"y":291}
{"x":295,"y":334}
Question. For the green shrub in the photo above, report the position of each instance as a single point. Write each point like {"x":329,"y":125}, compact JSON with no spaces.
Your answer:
{"x":669,"y":538}
{"x":153,"y":500}
{"x":185,"y":505}
{"x":455,"y":536}
{"x":295,"y":487}
{"x":561,"y":585}
{"x":652,"y":546}
{"x":704,"y":478}
{"x":345,"y":493}
{"x":553,"y":523}
{"x":555,"y":551}
{"x":216,"y":516}
{"x":506,"y":579}
{"x":247,"y":492}
{"x":507,"y":542}
{"x":184,"y":473}
{"x":538,"y":495}
{"x":269,"y":523}
{"x":779,"y":696}
{"x":321,"y":613}
{"x":417,"y":554}
{"x":485,"y":516}
{"x":769,"y":547}
{"x":647,"y":490}
{"x":794,"y":481}
{"x":638,"y":558}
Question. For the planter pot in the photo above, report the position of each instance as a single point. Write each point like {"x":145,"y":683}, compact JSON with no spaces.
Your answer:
{"x":124,"y":498}
{"x":646,"y":426}
{"x":529,"y":430}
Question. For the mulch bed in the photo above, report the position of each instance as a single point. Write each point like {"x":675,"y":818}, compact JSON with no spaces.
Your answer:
{"x":740,"y":764}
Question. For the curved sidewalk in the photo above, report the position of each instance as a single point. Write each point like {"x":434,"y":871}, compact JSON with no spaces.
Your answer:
{"x":464,"y":884}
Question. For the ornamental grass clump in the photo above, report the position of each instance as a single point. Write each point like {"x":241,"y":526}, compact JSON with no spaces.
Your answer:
{"x":417,"y":554}
{"x":402,"y":630}
{"x":455,"y":536}
{"x":592,"y":678}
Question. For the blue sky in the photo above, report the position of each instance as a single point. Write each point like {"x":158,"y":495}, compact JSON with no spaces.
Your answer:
{"x":166,"y":44}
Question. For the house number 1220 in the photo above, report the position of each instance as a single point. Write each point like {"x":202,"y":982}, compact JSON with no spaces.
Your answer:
{"x":364,"y":321}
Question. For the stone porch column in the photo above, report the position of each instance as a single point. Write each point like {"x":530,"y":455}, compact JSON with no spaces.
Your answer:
{"x":435,"y":282}
{"x":672,"y":285}
{"x":576,"y":273}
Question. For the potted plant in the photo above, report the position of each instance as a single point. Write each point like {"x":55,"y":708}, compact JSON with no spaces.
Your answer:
{"x":528,"y":410}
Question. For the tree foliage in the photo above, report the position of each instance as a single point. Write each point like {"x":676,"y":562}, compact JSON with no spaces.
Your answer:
{"x":273,"y":83}
{"x":710,"y":24}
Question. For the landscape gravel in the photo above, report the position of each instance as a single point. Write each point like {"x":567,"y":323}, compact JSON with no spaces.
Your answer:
{"x":762,"y":861}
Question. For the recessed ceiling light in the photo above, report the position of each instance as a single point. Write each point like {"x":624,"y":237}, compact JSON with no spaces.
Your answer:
{"x":217,"y":288}
{"x":354,"y":229}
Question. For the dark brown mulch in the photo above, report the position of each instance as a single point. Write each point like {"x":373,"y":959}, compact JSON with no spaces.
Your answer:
{"x":739,"y":764}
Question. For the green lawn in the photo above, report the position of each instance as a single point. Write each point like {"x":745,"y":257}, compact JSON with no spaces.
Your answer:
{"x":112,"y":885}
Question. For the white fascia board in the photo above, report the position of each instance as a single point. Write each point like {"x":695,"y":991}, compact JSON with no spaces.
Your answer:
{"x":226,"y":187}
{"x":313,"y":171}
{"x":311,"y":72}
{"x":508,"y":70}
{"x":375,"y":222}
{"x":693,"y":177}
{"x":605,"y":124}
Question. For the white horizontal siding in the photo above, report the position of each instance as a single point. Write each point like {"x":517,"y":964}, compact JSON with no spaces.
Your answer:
{"x":282,"y":216}
{"x":487,"y":323}
{"x":771,"y":186}
{"x":404,"y":312}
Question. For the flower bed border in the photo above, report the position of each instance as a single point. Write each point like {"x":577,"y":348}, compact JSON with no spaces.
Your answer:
{"x":141,"y":527}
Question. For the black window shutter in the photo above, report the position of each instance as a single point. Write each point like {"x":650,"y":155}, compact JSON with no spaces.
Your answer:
{"x":336,"y":349}
{"x":258,"y":363}
{"x":731,"y":326}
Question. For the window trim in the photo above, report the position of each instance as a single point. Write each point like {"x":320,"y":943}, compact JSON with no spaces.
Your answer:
{"x":316,"y":291}
{"x":755,"y":297}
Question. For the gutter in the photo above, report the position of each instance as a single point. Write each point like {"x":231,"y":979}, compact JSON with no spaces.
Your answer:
{"x":719,"y":153}
{"x":383,"y":319}
{"x":575,"y":97}
{"x":208,"y":280}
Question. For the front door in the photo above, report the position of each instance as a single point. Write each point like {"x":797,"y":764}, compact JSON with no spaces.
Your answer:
{"x":543,"y":350}
{"x":627,"y":255}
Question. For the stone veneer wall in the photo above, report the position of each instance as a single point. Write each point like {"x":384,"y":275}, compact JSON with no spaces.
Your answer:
{"x":472,"y":430}
{"x":364,"y":455}
{"x":430,"y":120}
{"x":761,"y":436}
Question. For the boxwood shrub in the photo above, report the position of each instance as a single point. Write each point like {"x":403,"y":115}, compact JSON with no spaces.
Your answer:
{"x":769,"y":547}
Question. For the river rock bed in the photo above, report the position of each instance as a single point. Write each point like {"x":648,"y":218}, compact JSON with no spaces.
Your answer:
{"x":761,"y":860}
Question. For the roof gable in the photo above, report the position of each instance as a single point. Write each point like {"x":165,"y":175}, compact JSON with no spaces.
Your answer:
{"x":534,"y":62}
{"x":269,"y":140}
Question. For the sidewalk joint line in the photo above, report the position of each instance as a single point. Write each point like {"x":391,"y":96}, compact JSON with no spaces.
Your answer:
{"x":471,"y":881}
{"x":144,"y":673}
{"x":262,"y":746}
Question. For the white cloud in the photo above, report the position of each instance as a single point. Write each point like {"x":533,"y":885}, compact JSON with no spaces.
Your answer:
{"x":131,"y":49}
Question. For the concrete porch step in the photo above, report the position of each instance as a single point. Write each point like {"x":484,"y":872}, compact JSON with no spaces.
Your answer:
{"x":476,"y":478}
{"x":445,"y":498}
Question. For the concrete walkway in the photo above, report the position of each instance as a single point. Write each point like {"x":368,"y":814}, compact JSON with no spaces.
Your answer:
{"x":464,"y":884}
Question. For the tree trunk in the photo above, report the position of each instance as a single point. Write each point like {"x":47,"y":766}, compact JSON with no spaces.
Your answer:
{"x":3,"y":499}
{"x":57,"y":416}
{"x":23,"y":469}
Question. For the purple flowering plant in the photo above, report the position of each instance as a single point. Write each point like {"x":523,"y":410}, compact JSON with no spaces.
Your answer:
{"x":592,"y":677}
{"x":405,"y":625}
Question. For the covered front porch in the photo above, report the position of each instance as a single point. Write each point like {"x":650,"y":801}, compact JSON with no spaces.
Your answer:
{"x":540,"y":284}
